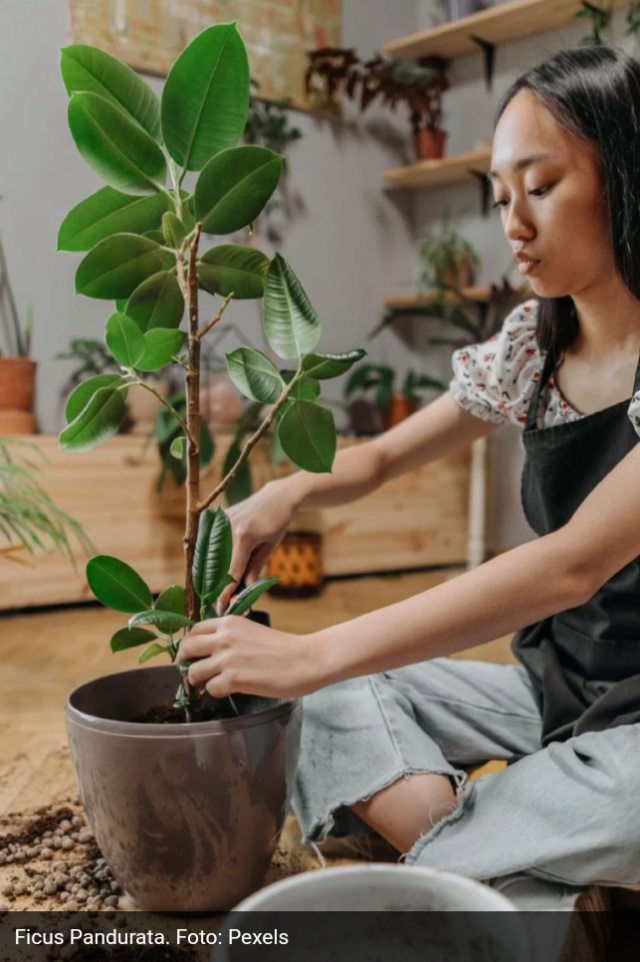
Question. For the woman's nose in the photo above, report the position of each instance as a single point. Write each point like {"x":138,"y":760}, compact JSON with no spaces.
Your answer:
{"x":517,"y":223}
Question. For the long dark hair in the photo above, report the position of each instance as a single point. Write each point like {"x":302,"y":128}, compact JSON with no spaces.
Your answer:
{"x":594,"y":92}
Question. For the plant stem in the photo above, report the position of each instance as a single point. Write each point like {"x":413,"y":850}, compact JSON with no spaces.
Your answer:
{"x":193,"y":421}
{"x":163,"y":401}
{"x":5,"y":288}
{"x":251,"y":443}
{"x":214,"y":320}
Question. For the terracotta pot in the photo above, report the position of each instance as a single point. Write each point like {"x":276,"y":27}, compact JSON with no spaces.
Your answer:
{"x":460,"y":275}
{"x":17,"y":383}
{"x":400,"y":408}
{"x":187,"y":816}
{"x":429,"y":144}
{"x":297,"y":561}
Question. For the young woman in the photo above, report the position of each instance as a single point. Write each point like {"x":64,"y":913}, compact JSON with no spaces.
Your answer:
{"x":389,"y":724}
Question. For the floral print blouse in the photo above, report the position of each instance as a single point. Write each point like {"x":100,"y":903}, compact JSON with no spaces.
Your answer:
{"x":495,"y":380}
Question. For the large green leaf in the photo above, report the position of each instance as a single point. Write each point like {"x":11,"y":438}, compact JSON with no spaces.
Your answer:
{"x":88,"y":69}
{"x":165,"y":621}
{"x":109,"y":212}
{"x":130,"y":638}
{"x":157,"y":302}
{"x":97,"y":422}
{"x":116,"y":147}
{"x":124,"y":340}
{"x":80,"y":397}
{"x":250,"y":595}
{"x":291,"y":324}
{"x":213,"y":552}
{"x":117,"y":265}
{"x":234,"y":187}
{"x":324,"y":366}
{"x":233,"y":268}
{"x":117,"y":585}
{"x":206,"y":97}
{"x":241,"y":486}
{"x":308,"y":436}
{"x":160,"y":347}
{"x":171,"y":599}
{"x":254,"y":375}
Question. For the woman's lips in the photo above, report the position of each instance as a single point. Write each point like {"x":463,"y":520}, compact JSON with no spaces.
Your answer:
{"x":527,"y":266}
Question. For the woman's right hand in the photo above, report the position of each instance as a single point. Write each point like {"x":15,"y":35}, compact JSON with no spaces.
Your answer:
{"x":258,"y":525}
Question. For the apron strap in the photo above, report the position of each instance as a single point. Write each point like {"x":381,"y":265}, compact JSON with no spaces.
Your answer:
{"x":636,"y":383}
{"x":534,"y":405}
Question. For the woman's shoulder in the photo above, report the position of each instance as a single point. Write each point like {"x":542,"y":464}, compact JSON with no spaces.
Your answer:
{"x":495,"y":379}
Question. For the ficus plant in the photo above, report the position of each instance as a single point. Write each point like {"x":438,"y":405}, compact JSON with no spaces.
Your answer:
{"x":143,"y":237}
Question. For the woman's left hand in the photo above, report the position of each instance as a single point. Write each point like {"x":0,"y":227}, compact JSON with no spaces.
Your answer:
{"x":238,"y":655}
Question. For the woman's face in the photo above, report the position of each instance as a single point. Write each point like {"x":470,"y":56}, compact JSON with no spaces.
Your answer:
{"x":550,"y":193}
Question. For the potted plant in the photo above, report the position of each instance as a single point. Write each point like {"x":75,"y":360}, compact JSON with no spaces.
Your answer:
{"x":420,"y":85}
{"x":600,"y":19}
{"x":394,"y":405}
{"x":187,"y":801}
{"x":17,"y":369}
{"x":448,"y":261}
{"x":29,"y":520}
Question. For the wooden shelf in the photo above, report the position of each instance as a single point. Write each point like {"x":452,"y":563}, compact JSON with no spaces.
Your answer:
{"x":438,"y":173}
{"x":509,"y":21}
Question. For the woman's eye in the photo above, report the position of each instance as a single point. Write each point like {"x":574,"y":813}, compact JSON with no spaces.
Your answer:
{"x":539,"y":191}
{"x":500,"y":203}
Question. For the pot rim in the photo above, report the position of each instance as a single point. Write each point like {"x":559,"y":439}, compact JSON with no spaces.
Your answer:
{"x":222,"y":726}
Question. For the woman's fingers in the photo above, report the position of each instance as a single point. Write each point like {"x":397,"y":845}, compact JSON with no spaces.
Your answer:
{"x":257,"y":561}
{"x":203,"y":670}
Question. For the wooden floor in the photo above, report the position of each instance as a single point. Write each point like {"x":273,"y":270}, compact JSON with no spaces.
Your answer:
{"x":44,"y":655}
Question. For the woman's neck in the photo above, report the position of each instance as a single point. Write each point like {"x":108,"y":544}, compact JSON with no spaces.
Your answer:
{"x":608,"y":319}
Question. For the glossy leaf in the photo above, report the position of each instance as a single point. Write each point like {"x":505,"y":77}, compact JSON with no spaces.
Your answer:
{"x":306,"y":389}
{"x":234,"y":187}
{"x":291,"y":324}
{"x":308,"y":436}
{"x":151,"y":652}
{"x":324,"y":366}
{"x":206,"y":97}
{"x":130,"y":638}
{"x":173,"y":229}
{"x":254,"y":375}
{"x":160,"y":347}
{"x":171,"y":599}
{"x":241,"y":487}
{"x":231,"y":268}
{"x":213,"y":552}
{"x":157,"y":302}
{"x":97,"y":422}
{"x":117,"y":265}
{"x":177,"y":447}
{"x":86,"y":68}
{"x":109,"y":212}
{"x":165,"y":621}
{"x":115,"y":146}
{"x":250,"y":595}
{"x":117,"y":585}
{"x":80,"y":397}
{"x":124,"y":340}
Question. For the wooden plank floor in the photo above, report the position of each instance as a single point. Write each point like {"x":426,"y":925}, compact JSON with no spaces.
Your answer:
{"x":46,"y":654}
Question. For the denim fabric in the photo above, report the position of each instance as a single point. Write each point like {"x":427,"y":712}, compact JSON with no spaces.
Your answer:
{"x":566,"y":813}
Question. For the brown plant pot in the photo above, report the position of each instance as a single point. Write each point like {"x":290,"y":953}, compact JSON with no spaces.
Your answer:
{"x":187,"y":816}
{"x":17,"y":384}
{"x":459,"y":275}
{"x":400,"y":408}
{"x":429,"y":144}
{"x":297,"y":562}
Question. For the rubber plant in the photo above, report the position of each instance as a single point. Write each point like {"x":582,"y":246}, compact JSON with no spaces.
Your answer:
{"x":143,"y":237}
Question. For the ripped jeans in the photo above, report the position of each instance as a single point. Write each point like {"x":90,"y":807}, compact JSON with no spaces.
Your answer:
{"x":565,"y":813}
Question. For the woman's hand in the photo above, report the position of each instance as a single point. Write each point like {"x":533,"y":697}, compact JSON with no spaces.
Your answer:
{"x":238,"y":655}
{"x":258,"y":525}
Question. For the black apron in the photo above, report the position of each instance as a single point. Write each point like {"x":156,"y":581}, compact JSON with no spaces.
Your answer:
{"x":584,"y":662}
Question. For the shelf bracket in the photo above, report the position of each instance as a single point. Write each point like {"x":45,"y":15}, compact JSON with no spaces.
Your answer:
{"x":489,"y":52}
{"x":485,"y":190}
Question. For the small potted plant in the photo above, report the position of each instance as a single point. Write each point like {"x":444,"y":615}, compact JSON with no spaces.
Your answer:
{"x":17,"y":369}
{"x":394,"y":405}
{"x":419,"y":85}
{"x":448,"y":261}
{"x":185,"y":794}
